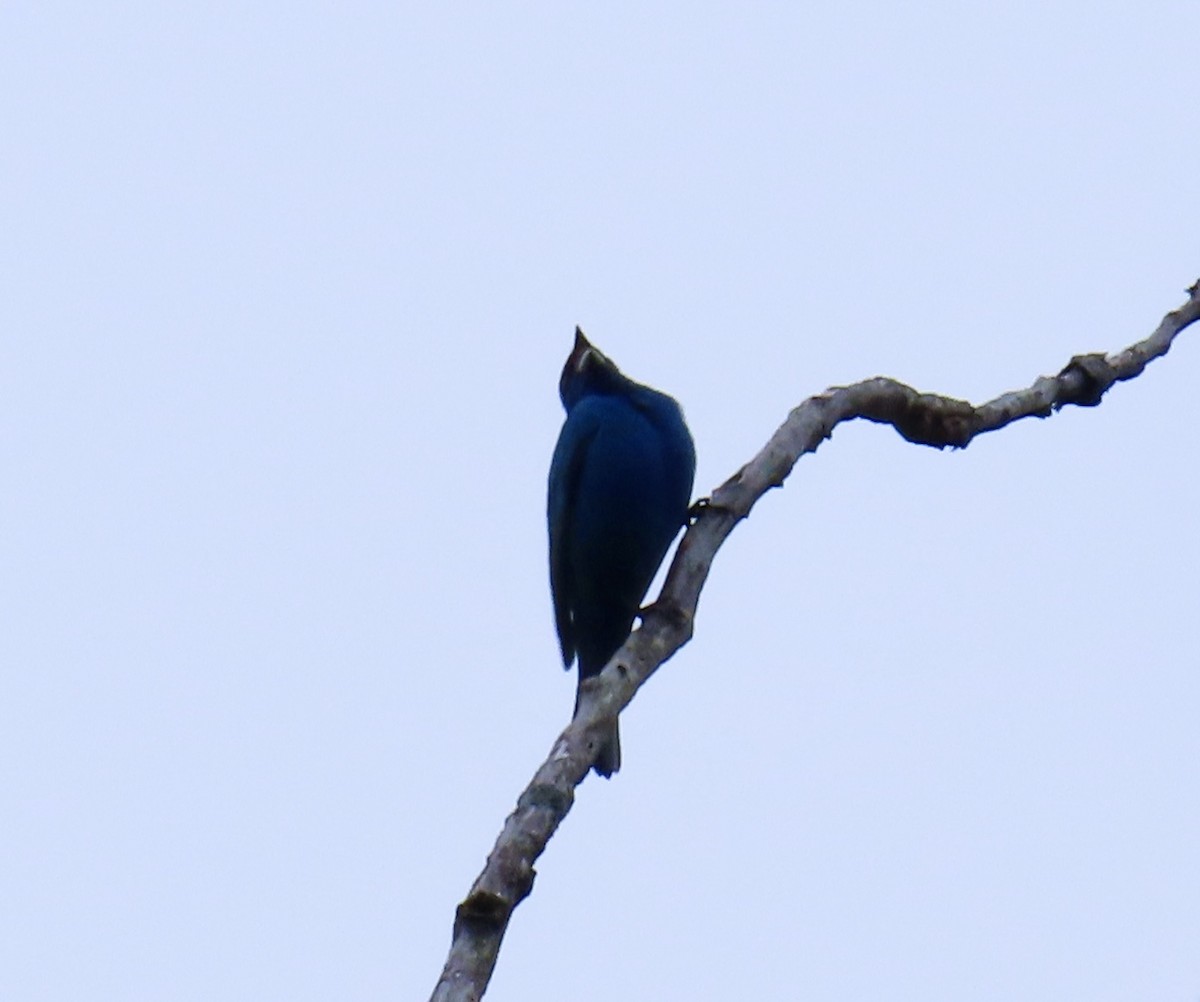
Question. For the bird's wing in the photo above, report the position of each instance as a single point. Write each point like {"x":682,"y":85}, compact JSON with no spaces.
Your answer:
{"x":570,"y":454}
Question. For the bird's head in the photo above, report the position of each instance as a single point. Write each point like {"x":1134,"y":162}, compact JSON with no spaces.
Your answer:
{"x":588,"y":370}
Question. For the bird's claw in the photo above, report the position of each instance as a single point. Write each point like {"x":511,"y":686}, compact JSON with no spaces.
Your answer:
{"x":701,"y":506}
{"x":698,"y":509}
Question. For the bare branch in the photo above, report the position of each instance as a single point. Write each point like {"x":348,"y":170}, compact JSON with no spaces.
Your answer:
{"x":926,"y":419}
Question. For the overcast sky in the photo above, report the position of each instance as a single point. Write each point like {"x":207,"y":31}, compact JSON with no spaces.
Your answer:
{"x":285,"y":290}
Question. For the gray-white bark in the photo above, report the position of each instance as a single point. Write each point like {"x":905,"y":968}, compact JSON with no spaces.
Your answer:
{"x":926,"y":419}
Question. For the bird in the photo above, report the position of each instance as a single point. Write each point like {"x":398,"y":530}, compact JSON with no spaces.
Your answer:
{"x":620,"y":482}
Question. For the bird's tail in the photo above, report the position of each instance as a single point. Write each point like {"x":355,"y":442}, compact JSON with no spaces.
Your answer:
{"x":608,"y":758}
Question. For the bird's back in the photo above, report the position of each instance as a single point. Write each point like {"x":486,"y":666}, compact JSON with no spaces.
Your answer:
{"x":627,"y":499}
{"x":620,"y":482}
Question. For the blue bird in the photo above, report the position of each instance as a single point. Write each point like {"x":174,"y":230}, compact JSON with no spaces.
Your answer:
{"x":620,"y":482}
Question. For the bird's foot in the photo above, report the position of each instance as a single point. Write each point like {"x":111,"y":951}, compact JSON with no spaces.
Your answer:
{"x":703,"y":505}
{"x":698,"y":509}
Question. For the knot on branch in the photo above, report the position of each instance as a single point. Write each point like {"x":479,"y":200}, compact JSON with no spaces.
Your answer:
{"x":929,"y":419}
{"x":547,"y":797}
{"x":481,"y":912}
{"x":670,"y":612}
{"x":1085,"y":380}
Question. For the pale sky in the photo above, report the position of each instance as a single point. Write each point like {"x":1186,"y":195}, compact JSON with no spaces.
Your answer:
{"x":284,"y":295}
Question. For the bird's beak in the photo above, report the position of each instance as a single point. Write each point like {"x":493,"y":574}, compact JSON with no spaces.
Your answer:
{"x":578,"y":357}
{"x":585,"y":353}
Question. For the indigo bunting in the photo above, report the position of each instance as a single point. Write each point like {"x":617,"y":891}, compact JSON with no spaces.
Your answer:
{"x":620,"y":482}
